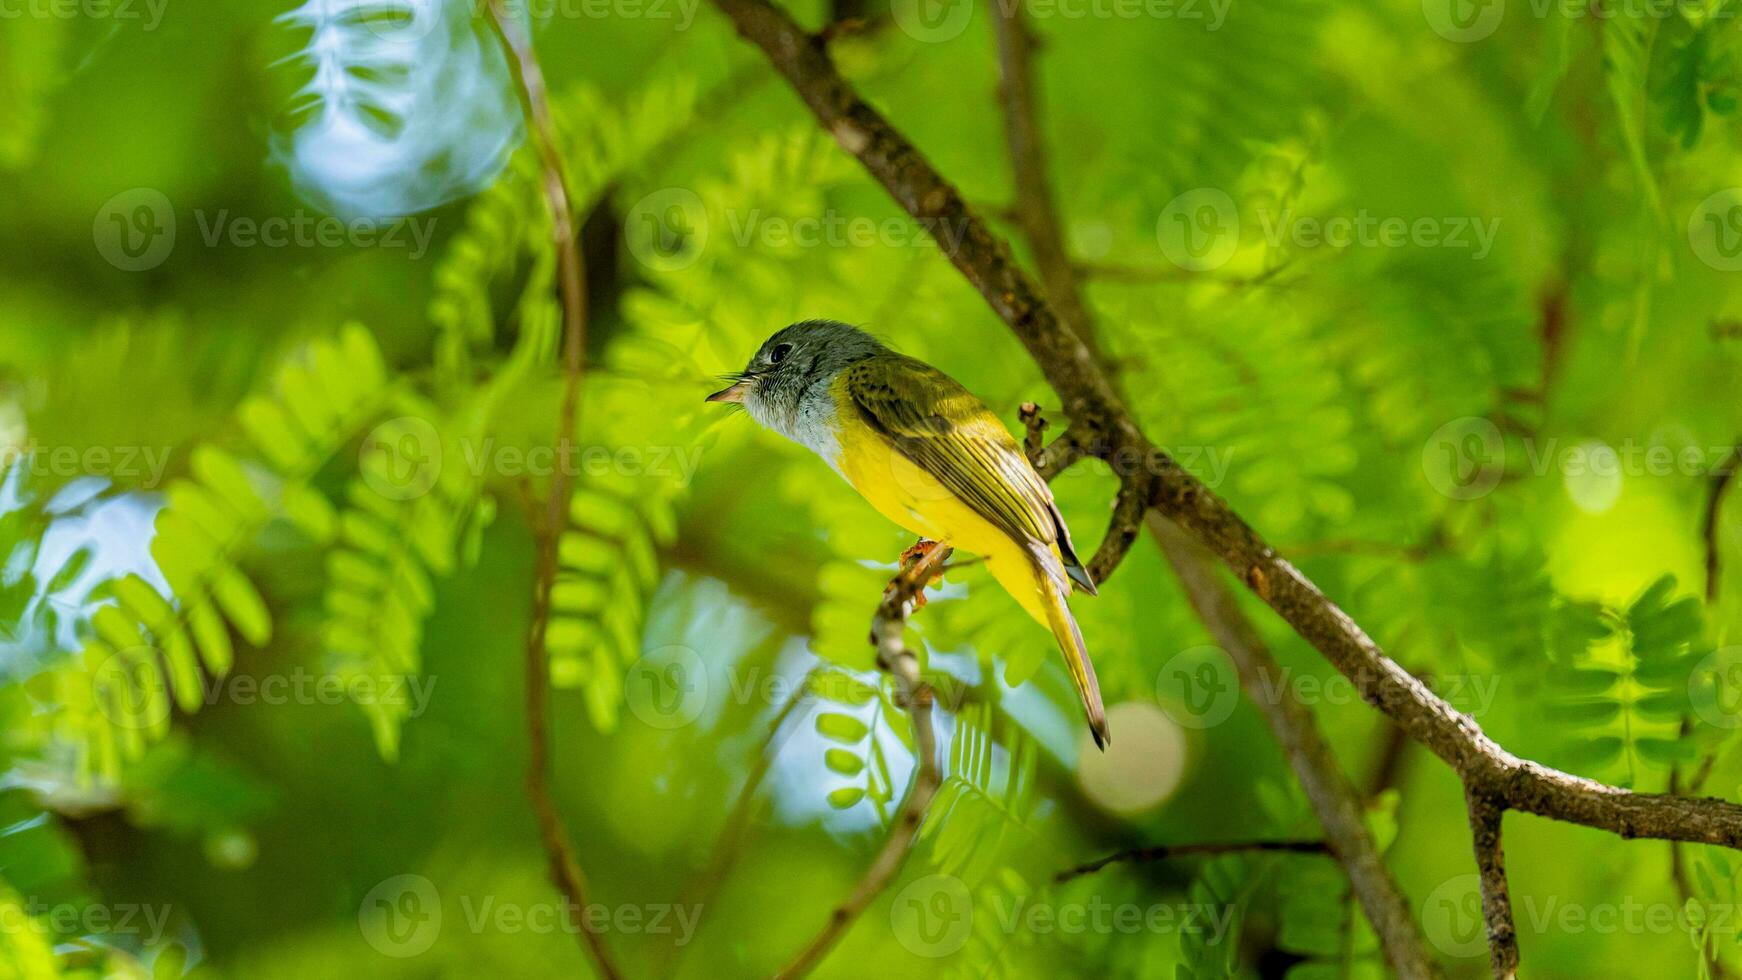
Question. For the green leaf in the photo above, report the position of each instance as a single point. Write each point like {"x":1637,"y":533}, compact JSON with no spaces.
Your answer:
{"x":843,"y":762}
{"x":243,"y":605}
{"x":846,"y":796}
{"x":841,"y":728}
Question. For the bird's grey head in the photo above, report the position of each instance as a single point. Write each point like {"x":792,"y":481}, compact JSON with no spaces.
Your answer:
{"x":796,"y":365}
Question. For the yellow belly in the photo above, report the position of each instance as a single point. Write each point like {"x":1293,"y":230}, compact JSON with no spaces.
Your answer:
{"x":919,"y":502}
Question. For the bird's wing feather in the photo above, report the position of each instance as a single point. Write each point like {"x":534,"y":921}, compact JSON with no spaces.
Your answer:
{"x":946,"y":431}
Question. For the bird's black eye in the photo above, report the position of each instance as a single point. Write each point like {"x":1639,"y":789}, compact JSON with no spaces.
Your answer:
{"x":779,"y":353}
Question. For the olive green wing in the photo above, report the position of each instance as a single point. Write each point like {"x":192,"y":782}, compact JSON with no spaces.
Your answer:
{"x":946,"y":431}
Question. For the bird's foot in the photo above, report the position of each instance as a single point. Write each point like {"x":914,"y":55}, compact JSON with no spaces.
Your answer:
{"x":922,"y":552}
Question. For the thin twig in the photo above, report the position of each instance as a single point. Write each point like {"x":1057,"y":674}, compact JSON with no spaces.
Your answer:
{"x":1034,"y":430}
{"x":1485,"y":817}
{"x":1090,"y":401}
{"x":565,"y":867}
{"x":887,"y":626}
{"x":1034,"y":205}
{"x":1166,"y":851}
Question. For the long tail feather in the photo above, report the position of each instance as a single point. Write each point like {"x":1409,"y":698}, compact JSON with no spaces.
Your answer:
{"x":1055,"y":587}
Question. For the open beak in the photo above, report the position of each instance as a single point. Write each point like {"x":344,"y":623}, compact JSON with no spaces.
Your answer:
{"x":732,"y":394}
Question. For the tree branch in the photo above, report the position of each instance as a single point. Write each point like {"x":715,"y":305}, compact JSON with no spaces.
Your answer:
{"x":565,"y":867}
{"x":1034,"y":205}
{"x":1333,"y":798}
{"x":1091,"y":403}
{"x":1485,"y":817}
{"x":887,"y":626}
{"x":1053,"y":458}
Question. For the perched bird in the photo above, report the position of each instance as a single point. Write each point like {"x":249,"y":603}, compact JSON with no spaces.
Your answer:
{"x":930,"y":457}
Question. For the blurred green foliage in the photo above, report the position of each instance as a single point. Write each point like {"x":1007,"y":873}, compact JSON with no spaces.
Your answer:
{"x":1468,"y":352}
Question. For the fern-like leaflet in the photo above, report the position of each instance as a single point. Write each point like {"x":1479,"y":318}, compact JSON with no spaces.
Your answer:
{"x":608,"y":569}
{"x":1628,"y":709}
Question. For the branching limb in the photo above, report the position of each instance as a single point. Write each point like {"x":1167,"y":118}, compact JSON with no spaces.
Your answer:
{"x":1090,"y":401}
{"x":1049,"y":460}
{"x":1333,"y":798}
{"x":1034,"y":430}
{"x":887,"y":626}
{"x":1485,"y":817}
{"x":1130,"y":504}
{"x":565,"y":867}
{"x":1502,"y":780}
{"x":1164,"y":852}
